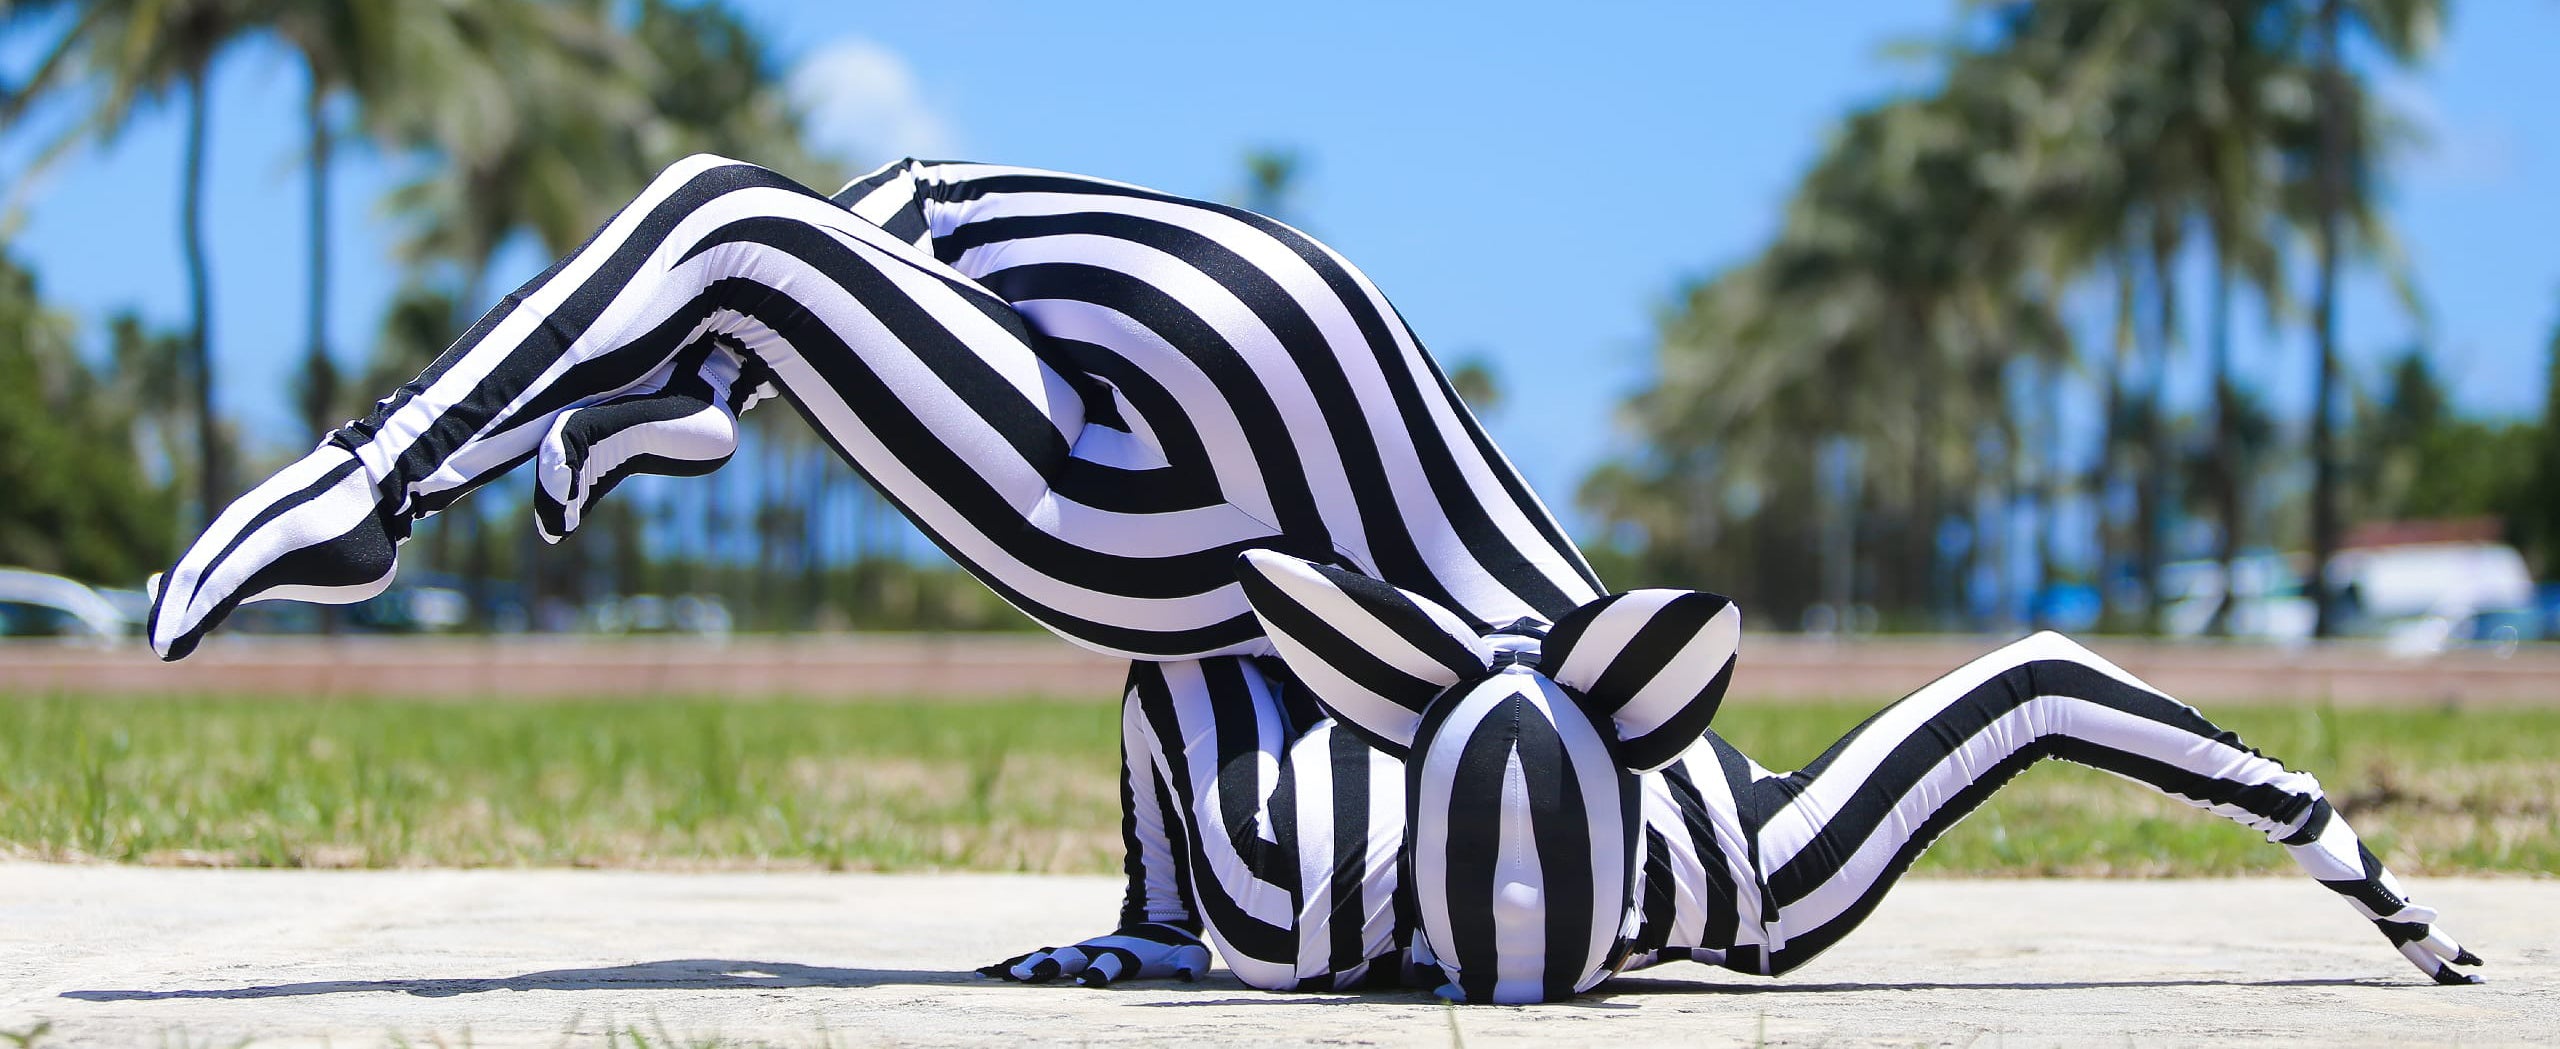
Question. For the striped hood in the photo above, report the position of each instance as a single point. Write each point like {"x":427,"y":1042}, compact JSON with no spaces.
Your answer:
{"x":1521,"y":746}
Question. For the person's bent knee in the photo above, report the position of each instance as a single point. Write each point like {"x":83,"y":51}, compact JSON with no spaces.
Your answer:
{"x":693,"y":166}
{"x":716,"y":174}
{"x":2047,"y":644}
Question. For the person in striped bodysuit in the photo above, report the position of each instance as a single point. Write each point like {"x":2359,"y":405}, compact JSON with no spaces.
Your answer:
{"x":1150,"y":422}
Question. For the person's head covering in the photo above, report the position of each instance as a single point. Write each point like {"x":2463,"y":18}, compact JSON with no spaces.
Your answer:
{"x":1521,"y":744}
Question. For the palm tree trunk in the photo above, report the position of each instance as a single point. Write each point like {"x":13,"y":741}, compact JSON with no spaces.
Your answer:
{"x":2021,"y":505}
{"x":813,"y":533}
{"x":2056,"y":487}
{"x":477,"y":569}
{"x":2103,"y":488}
{"x":2324,"y":454}
{"x":2157,"y":465}
{"x":1922,"y":558}
{"x":529,"y":565}
{"x":213,"y":486}
{"x":2226,"y":444}
{"x":1838,"y":474}
{"x":1994,"y":484}
{"x":319,"y":373}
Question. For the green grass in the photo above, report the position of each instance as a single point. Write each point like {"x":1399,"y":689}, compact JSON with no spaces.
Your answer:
{"x":1033,"y":786}
{"x":2431,"y":790}
{"x":990,"y":785}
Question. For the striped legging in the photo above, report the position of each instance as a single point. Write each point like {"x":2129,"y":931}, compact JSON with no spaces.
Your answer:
{"x":1091,"y":395}
{"x":1298,"y":858}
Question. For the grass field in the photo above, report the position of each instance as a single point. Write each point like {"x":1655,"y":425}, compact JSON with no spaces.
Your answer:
{"x":1032,"y":786}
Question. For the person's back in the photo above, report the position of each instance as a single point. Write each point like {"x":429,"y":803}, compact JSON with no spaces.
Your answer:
{"x":1262,"y":368}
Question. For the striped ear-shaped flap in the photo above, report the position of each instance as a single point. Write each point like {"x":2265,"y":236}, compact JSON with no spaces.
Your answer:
{"x":1373,"y":655}
{"x":1654,"y":662}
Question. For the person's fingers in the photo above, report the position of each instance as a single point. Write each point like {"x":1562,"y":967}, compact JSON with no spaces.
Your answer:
{"x":1049,"y":963}
{"x":2442,"y":944}
{"x":1138,"y":952}
{"x":1109,"y":964}
{"x":1003,"y":970}
{"x":316,"y":531}
{"x":2440,"y":969}
{"x":1190,"y":962}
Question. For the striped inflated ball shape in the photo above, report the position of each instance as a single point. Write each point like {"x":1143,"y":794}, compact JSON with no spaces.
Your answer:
{"x":1523,"y":832}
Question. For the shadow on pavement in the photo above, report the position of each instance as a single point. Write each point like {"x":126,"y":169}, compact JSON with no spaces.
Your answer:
{"x":688,"y":974}
{"x":1605,"y":995}
{"x":1638,"y":984}
{"x":714,"y":974}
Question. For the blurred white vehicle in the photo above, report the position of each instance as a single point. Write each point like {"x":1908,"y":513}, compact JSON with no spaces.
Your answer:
{"x":2423,"y":597}
{"x":34,"y":604}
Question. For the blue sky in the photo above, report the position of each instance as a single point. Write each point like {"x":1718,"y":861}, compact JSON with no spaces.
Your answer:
{"x":1529,"y":188}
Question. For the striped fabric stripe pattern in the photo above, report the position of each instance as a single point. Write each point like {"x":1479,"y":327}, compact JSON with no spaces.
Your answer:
{"x":1091,"y":395}
{"x":1655,"y":662}
{"x":1315,"y":407}
{"x":1373,"y":654}
{"x":1825,"y":843}
{"x":1290,"y":835}
{"x":1191,"y":435}
{"x":1524,"y":835}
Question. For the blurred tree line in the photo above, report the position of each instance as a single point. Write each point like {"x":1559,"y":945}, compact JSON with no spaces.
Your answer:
{"x":526,"y":121}
{"x":78,"y":499}
{"x":1875,"y":412}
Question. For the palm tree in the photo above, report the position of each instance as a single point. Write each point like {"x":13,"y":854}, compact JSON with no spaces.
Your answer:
{"x":357,"y":49}
{"x":713,"y":87}
{"x":1271,"y":179}
{"x":2233,"y":150}
{"x":525,"y":133}
{"x":2404,"y":30}
{"x":116,"y":57}
{"x":1902,"y":327}
{"x":80,"y":500}
{"x":1867,"y":345}
{"x":2197,"y":107}
{"x":354,"y":48}
{"x":2540,"y":506}
{"x":2160,"y":70}
{"x":551,"y":114}
{"x":562,"y":114}
{"x":2085,"y":128}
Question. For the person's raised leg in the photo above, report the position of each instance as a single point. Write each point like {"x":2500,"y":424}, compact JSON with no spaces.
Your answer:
{"x":1833,"y":837}
{"x":719,"y":277}
{"x":610,"y":318}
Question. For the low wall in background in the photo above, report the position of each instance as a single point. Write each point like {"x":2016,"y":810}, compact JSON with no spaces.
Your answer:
{"x":1774,"y":667}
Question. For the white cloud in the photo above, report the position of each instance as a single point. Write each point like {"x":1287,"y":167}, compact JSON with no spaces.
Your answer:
{"x":863,"y":104}
{"x":2465,"y":151}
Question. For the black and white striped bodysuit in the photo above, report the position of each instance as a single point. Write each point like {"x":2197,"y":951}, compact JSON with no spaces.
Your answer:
{"x":1095,"y":398}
